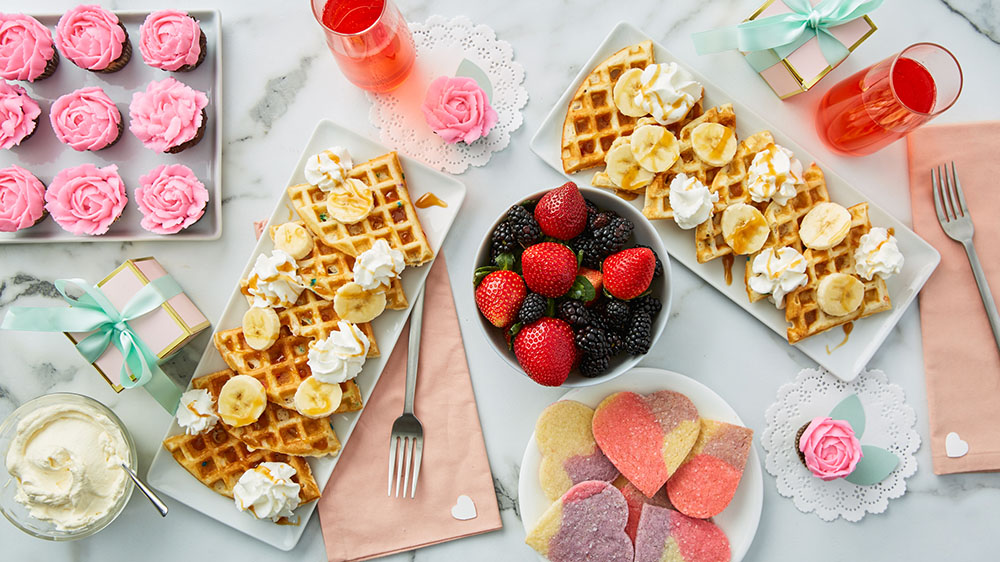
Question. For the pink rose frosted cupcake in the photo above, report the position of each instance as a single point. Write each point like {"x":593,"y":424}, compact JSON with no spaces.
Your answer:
{"x":172,"y":40}
{"x":26,"y":51}
{"x":86,"y":119}
{"x":22,"y":199}
{"x":169,"y":116}
{"x":86,"y":199}
{"x":93,"y":39}
{"x":171,"y":199}
{"x":457,"y":110}
{"x":18,"y":115}
{"x":828,"y":448}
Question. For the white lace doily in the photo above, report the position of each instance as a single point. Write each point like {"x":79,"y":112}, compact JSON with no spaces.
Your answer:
{"x":441,"y":46}
{"x":889,"y":425}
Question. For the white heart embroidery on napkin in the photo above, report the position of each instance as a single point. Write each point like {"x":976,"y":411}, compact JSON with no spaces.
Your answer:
{"x":954,"y":446}
{"x":464,"y":508}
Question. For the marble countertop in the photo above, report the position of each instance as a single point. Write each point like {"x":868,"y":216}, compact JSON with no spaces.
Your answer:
{"x":280,"y":79}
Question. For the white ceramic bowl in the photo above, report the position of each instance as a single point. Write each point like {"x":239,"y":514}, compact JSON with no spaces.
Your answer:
{"x":644,"y":234}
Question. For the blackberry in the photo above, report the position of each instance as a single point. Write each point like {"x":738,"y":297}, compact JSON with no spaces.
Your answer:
{"x":592,"y":211}
{"x":648,"y":305}
{"x":659,"y":265}
{"x":504,"y":240}
{"x":591,"y":257}
{"x":637,"y":339}
{"x":574,"y":313}
{"x":615,"y":344}
{"x":594,"y":365}
{"x":616,"y":312}
{"x":581,"y":244}
{"x":602,"y":219}
{"x":532,"y":309}
{"x":592,"y":340}
{"x":526,"y":229}
{"x":612,"y":237}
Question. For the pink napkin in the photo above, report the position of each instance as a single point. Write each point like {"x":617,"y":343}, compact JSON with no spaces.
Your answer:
{"x":961,"y":360}
{"x":359,"y":521}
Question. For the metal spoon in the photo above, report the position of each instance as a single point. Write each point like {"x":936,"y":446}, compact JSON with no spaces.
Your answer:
{"x":157,"y":502}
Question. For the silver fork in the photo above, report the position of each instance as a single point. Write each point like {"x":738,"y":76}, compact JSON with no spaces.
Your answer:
{"x":953,"y":214}
{"x":406,"y":442}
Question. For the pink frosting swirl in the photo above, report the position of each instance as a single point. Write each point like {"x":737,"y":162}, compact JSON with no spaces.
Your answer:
{"x":169,"y":39}
{"x":171,"y":199}
{"x":86,"y":199}
{"x":25,"y":47}
{"x":457,"y":109}
{"x":18,"y":113}
{"x":86,"y":119}
{"x":167,"y":114}
{"x":22,"y":199}
{"x":90,"y":36}
{"x":830,"y":447}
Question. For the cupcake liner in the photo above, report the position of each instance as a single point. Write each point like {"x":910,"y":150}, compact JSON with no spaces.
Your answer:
{"x":120,"y":62}
{"x":798,"y":437}
{"x":50,"y":68}
{"x":203,"y":45}
{"x":197,"y":137}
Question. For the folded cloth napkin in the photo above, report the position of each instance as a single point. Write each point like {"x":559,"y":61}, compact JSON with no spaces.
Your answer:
{"x":359,"y":521}
{"x":961,"y":361}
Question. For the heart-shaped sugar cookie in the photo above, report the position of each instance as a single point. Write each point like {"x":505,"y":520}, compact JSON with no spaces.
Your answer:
{"x":586,"y":523}
{"x":569,"y":453}
{"x":665,"y":534}
{"x":704,"y":485}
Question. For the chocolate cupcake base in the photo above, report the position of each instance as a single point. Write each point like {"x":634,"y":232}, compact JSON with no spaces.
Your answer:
{"x":50,"y":67}
{"x":798,"y":437}
{"x":197,"y":137}
{"x":120,"y":62}
{"x":203,"y":45}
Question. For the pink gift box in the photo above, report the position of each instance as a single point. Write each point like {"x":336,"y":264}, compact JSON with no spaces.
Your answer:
{"x":802,"y":69}
{"x":164,"y":330}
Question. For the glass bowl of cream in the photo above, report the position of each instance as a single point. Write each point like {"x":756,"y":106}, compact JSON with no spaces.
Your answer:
{"x":60,"y":473}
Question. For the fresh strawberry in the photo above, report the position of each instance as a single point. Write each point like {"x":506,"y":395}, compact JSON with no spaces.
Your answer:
{"x":562,"y":212}
{"x":546,"y":351}
{"x":499,"y":297}
{"x":628,"y":273}
{"x":549,"y":268}
{"x":596,"y":279}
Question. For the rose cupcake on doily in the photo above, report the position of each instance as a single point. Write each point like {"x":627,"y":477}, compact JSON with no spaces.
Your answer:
{"x":828,"y":448}
{"x":18,"y":115}
{"x":172,"y":40}
{"x":86,"y":119}
{"x":171,"y":199}
{"x":86,"y":199}
{"x":22,"y":199}
{"x":26,"y":51}
{"x":93,"y":39}
{"x":169,"y":116}
{"x":457,"y":109}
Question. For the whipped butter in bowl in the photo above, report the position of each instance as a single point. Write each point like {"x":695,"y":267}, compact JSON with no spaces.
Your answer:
{"x":61,"y":456}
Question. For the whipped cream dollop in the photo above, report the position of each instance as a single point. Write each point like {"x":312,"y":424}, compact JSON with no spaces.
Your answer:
{"x":777,"y":272}
{"x":274,"y":281}
{"x":339,"y":357}
{"x":773,"y":175}
{"x":691,"y":201}
{"x":378,"y":265}
{"x":667,"y":92}
{"x":329,"y":168}
{"x":196,"y":413}
{"x":65,"y":459}
{"x":267,"y":491}
{"x":878,"y":254}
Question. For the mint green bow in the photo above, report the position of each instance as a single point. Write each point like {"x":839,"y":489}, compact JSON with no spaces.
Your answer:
{"x":93,"y":312}
{"x":767,"y":41}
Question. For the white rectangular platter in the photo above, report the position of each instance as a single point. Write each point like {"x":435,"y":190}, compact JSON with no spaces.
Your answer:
{"x":845,"y":361}
{"x":44,"y":156}
{"x":172,"y":479}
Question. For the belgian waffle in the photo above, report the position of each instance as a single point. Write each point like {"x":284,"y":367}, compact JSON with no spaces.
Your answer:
{"x":802,"y":310}
{"x":393,"y":219}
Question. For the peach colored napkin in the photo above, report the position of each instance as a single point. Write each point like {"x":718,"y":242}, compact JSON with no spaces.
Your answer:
{"x":359,"y":521}
{"x":961,"y":360}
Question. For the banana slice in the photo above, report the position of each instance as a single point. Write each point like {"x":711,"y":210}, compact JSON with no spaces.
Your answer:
{"x":625,"y":90}
{"x":261,"y":327}
{"x":624,"y":170}
{"x":744,"y":228}
{"x":654,"y":148}
{"x":825,"y":226}
{"x":714,"y":143}
{"x":293,"y":239}
{"x":241,"y":400}
{"x":350,"y":202}
{"x":840,"y":294}
{"x":354,"y":304}
{"x":317,"y":399}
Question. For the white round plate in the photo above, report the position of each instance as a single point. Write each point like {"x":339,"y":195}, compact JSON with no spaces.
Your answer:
{"x":739,"y":520}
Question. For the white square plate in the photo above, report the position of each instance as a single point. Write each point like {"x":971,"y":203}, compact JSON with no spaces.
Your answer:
{"x":172,"y":479}
{"x":845,"y":361}
{"x":44,"y":156}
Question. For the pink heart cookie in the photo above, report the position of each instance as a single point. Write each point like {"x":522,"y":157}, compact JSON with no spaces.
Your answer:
{"x":646,"y":437}
{"x":635,"y":500}
{"x":569,"y":453}
{"x":586,"y":523}
{"x":666,"y":535}
{"x":704,"y":485}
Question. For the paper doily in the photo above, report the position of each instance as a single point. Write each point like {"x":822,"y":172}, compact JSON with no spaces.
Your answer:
{"x":890,"y":424}
{"x":441,"y":47}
